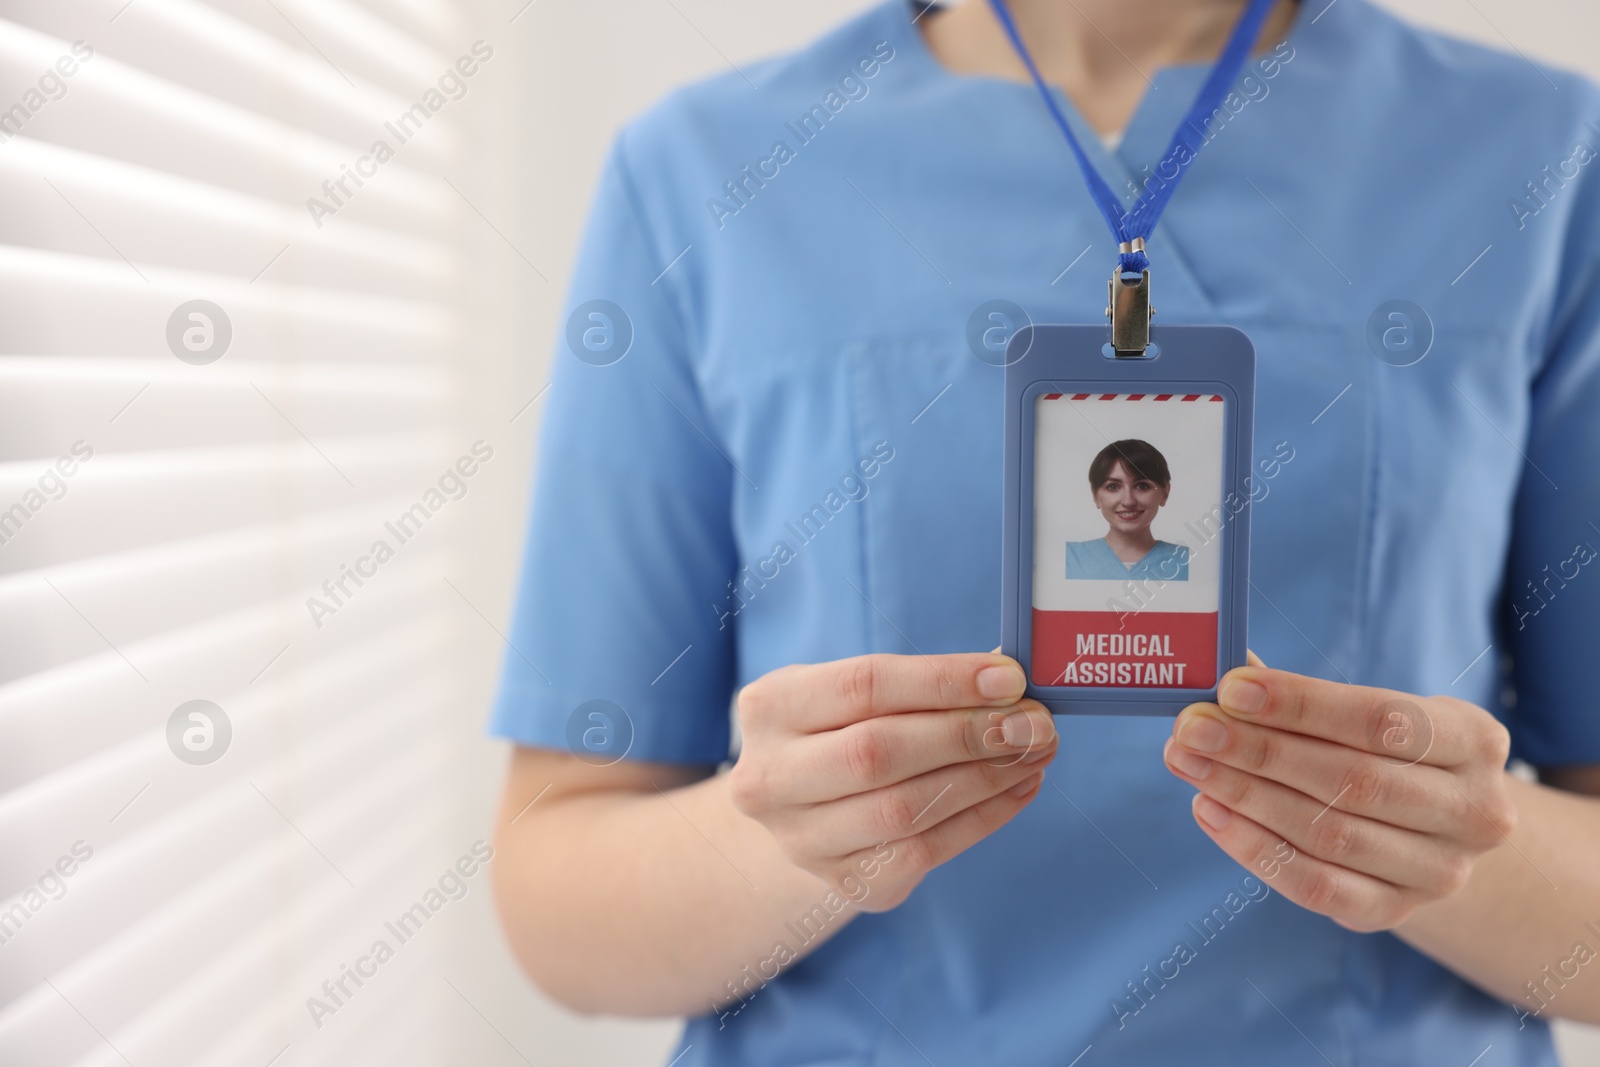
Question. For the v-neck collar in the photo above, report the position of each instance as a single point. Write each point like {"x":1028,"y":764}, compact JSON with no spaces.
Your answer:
{"x":1157,"y":114}
{"x":1144,"y":139}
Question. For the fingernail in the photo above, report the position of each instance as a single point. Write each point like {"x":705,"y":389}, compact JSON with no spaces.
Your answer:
{"x":1210,"y":812}
{"x":1026,"y":786}
{"x":1022,"y":729}
{"x":1188,"y":762}
{"x":1203,"y":734}
{"x":1242,"y":695}
{"x":1001,"y":682}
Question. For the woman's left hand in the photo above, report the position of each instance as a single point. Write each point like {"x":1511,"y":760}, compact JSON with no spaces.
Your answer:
{"x":1361,"y":804}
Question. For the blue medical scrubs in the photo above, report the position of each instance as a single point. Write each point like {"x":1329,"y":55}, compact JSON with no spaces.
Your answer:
{"x":1095,"y":559}
{"x":798,"y":265}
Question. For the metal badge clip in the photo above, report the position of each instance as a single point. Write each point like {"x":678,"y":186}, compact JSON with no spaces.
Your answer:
{"x":1128,"y":307}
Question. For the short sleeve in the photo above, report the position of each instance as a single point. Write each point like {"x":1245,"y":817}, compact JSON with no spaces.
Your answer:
{"x":1553,"y":580}
{"x":629,"y":543}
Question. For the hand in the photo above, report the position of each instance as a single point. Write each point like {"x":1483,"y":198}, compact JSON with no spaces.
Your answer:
{"x":929,"y":754}
{"x":1361,"y":804}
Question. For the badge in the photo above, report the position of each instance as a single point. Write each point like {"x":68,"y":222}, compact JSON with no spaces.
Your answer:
{"x":1126,"y":530}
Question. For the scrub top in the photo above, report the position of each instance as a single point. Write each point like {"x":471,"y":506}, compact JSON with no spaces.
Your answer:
{"x":1095,"y":559}
{"x":797,"y":457}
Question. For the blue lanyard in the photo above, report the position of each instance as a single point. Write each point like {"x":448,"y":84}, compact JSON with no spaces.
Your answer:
{"x":1132,"y":228}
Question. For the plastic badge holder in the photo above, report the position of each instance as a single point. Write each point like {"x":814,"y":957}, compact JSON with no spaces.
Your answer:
{"x":1145,"y":643}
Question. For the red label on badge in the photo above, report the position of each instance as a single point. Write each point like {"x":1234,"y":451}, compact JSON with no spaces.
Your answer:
{"x":1146,"y":649}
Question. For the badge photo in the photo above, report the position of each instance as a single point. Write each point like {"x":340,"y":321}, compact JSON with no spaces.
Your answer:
{"x":1127,"y":518}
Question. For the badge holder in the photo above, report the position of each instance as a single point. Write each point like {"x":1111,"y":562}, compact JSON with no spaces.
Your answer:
{"x":1118,"y":442}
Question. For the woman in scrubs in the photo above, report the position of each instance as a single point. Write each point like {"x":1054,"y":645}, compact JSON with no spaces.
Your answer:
{"x":909,"y":863}
{"x":1130,"y":482}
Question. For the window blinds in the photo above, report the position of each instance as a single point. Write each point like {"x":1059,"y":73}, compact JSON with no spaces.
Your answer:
{"x":178,"y":493}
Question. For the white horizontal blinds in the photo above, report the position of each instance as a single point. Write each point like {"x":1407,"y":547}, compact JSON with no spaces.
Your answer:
{"x":163,"y":521}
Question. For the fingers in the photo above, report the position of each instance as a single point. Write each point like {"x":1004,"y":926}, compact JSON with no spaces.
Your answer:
{"x":1380,"y":721}
{"x":808,"y":698}
{"x":930,"y":752}
{"x":939,"y":844}
{"x":893,"y":748}
{"x":1371,"y":790}
{"x":1354,"y":900}
{"x":1416,"y":797}
{"x":1387,"y":852}
{"x":1252,"y":659}
{"x":907,"y":808}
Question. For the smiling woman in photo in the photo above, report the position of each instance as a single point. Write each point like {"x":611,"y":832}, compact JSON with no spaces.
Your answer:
{"x":1131,"y":482}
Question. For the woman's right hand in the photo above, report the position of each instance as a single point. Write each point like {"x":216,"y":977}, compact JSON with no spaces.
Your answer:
{"x":925,"y":754}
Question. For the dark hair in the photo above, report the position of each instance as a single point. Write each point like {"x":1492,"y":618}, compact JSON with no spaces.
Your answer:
{"x":1140,"y":457}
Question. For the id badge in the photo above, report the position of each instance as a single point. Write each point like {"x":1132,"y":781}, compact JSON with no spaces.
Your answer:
{"x":1127,"y":516}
